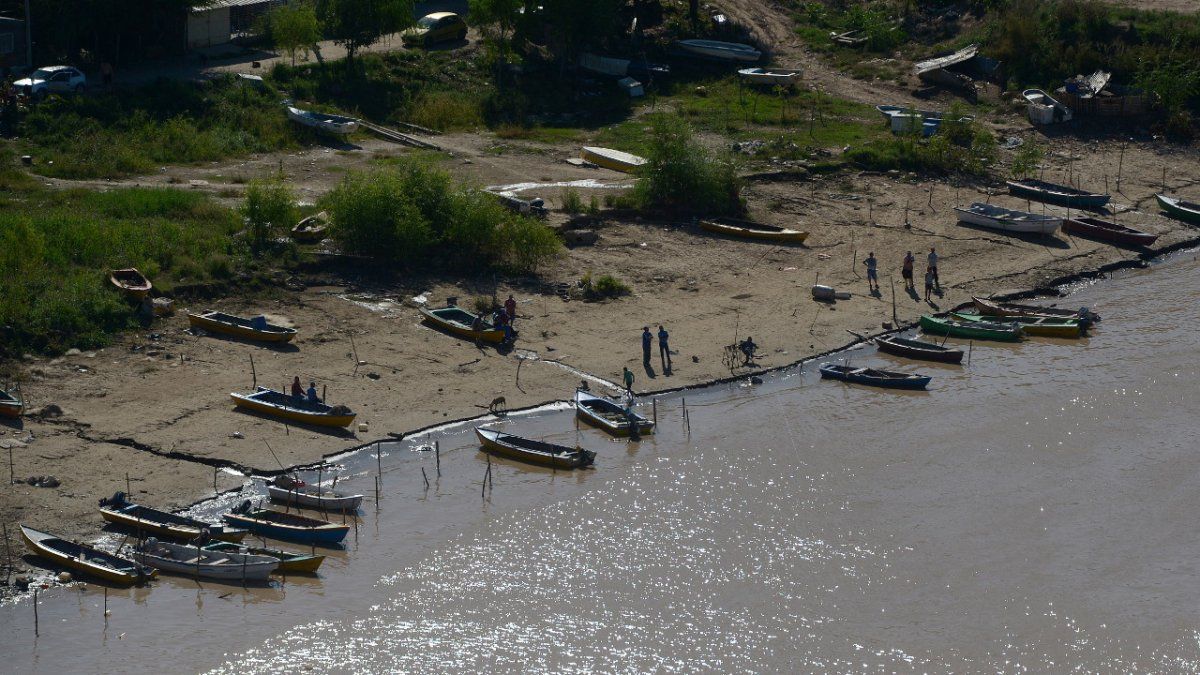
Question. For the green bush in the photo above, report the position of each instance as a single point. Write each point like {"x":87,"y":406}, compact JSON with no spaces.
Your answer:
{"x":268,"y":209}
{"x":412,"y":214}
{"x":683,"y":176}
{"x":604,"y":287}
{"x":571,"y":201}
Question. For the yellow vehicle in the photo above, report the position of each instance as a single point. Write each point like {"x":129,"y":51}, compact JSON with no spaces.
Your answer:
{"x":434,"y":28}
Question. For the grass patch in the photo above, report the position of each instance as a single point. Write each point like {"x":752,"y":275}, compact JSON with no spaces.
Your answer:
{"x":56,"y":249}
{"x":169,"y":122}
{"x":603,"y":287}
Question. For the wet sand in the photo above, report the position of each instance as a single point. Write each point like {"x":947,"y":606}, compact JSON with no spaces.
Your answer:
{"x":1029,"y":509}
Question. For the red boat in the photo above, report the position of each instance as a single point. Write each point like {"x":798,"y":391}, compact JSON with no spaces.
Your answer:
{"x":1104,"y":230}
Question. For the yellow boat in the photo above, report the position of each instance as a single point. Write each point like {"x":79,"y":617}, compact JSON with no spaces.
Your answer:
{"x":534,"y":452}
{"x":219,"y":322}
{"x":285,"y":407}
{"x":10,"y":405}
{"x":750,"y":230}
{"x":149,"y":521}
{"x":459,"y":321}
{"x":86,"y":559}
{"x":612,"y":159}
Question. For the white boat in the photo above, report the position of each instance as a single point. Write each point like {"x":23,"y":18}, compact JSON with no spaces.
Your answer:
{"x":770,"y":77}
{"x":339,"y":125}
{"x":609,"y":415}
{"x":1043,"y":109}
{"x":723,"y":51}
{"x":1008,"y":220}
{"x":197,"y":562}
{"x":612,"y":159}
{"x":297,"y":493}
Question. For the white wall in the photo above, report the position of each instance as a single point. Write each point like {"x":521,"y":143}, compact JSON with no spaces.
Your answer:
{"x":208,"y":27}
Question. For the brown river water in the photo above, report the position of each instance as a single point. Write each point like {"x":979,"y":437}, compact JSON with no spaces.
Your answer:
{"x":1034,"y":511}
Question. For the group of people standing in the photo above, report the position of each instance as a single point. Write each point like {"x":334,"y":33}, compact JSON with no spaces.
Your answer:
{"x":664,"y":354}
{"x":931,"y":272}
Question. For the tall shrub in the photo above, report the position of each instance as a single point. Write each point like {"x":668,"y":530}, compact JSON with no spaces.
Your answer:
{"x":682,"y":175}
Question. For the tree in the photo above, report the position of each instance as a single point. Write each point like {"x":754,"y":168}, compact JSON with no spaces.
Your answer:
{"x":355,"y":24}
{"x":294,"y":27}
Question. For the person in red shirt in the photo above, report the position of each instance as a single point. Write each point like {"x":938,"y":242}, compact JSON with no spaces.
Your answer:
{"x":297,"y":388}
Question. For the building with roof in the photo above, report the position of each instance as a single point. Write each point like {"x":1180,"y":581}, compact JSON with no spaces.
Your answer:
{"x":222,"y":21}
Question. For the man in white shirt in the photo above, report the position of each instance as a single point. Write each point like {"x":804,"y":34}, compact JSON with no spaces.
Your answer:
{"x":933,"y":267}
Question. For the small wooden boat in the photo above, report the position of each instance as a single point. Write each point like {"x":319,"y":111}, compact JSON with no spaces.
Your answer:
{"x":298,"y":493}
{"x":874,"y":377}
{"x":131,"y":282}
{"x":998,"y":331}
{"x":1053,"y":193}
{"x":1041,"y":326}
{"x":1008,"y":220}
{"x":770,"y":77}
{"x":746,"y":229}
{"x":1105,"y":230}
{"x":534,"y":452}
{"x":338,"y":125}
{"x":1043,"y":108}
{"x":312,"y":229}
{"x":197,"y":561}
{"x":148,"y":521}
{"x":917,"y":349}
{"x":1177,"y":208}
{"x":609,"y":415}
{"x":10,"y":405}
{"x":86,"y":559}
{"x":461,"y":322}
{"x":289,"y":563}
{"x":721,"y":51}
{"x":288,"y":526}
{"x":997,"y":308}
{"x":286,"y":407}
{"x":612,"y":159}
{"x":228,"y":324}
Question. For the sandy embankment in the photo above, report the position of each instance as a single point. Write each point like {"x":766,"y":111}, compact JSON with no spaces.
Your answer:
{"x":128,"y":405}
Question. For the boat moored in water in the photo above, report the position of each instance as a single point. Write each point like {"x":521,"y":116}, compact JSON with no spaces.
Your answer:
{"x":287,"y":526}
{"x":917,"y":349}
{"x":874,"y":377}
{"x":998,"y":331}
{"x":144,"y":520}
{"x":197,"y":561}
{"x":296,"y":492}
{"x":533,"y":452}
{"x":606,"y":414}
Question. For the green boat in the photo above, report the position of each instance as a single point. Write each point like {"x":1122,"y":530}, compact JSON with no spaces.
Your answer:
{"x":983,"y":330}
{"x":1179,"y":209}
{"x":1032,"y":325}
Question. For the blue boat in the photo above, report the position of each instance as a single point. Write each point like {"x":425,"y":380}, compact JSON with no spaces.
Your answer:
{"x":287,"y":526}
{"x":874,"y":377}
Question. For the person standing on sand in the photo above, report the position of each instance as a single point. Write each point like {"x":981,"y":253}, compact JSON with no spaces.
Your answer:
{"x":647,"y":341}
{"x":907,"y":271}
{"x":510,"y":306}
{"x":664,"y":349}
{"x":872,"y":272}
{"x":933,"y":262}
{"x":627,"y":375}
{"x":930,"y":275}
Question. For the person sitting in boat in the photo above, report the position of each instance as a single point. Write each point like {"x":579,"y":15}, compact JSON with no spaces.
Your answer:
{"x":297,"y":389}
{"x":748,"y":348}
{"x":312,"y":393}
{"x":259,"y":322}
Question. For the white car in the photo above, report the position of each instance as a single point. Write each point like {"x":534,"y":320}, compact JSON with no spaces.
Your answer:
{"x":52,"y":80}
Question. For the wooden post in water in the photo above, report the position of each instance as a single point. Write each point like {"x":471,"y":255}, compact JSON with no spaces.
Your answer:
{"x":105,"y":604}
{"x":437,"y":455}
{"x":35,"y":613}
{"x":376,"y":493}
{"x":378,"y":458}
{"x":970,"y":348}
{"x":425,"y":477}
{"x":655,"y":404}
{"x":685,"y":412}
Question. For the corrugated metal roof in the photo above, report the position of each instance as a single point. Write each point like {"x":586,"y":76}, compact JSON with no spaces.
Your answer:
{"x":230,"y":3}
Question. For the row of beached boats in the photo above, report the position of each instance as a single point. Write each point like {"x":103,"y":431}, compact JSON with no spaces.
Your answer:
{"x":986,"y":320}
{"x":180,"y":544}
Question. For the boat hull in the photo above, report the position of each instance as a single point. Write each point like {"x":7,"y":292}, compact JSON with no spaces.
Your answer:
{"x":612,"y":159}
{"x":292,"y":414}
{"x":1034,"y":326}
{"x":214,"y":325}
{"x":207,"y":564}
{"x":994,"y":308}
{"x":584,"y":410}
{"x":931,"y":353}
{"x":1047,"y":226}
{"x":490,"y":335}
{"x":493,"y":445}
{"x":310,"y":501}
{"x":937,"y":326}
{"x":131,"y":282}
{"x":1094,"y":228}
{"x":35,"y":542}
{"x":1177,"y":209}
{"x":289,"y":563}
{"x":1062,"y":198}
{"x":783,"y":235}
{"x":168,"y":530}
{"x":862,"y":376}
{"x":10,"y":406}
{"x":720,"y":51}
{"x":323,"y":534}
